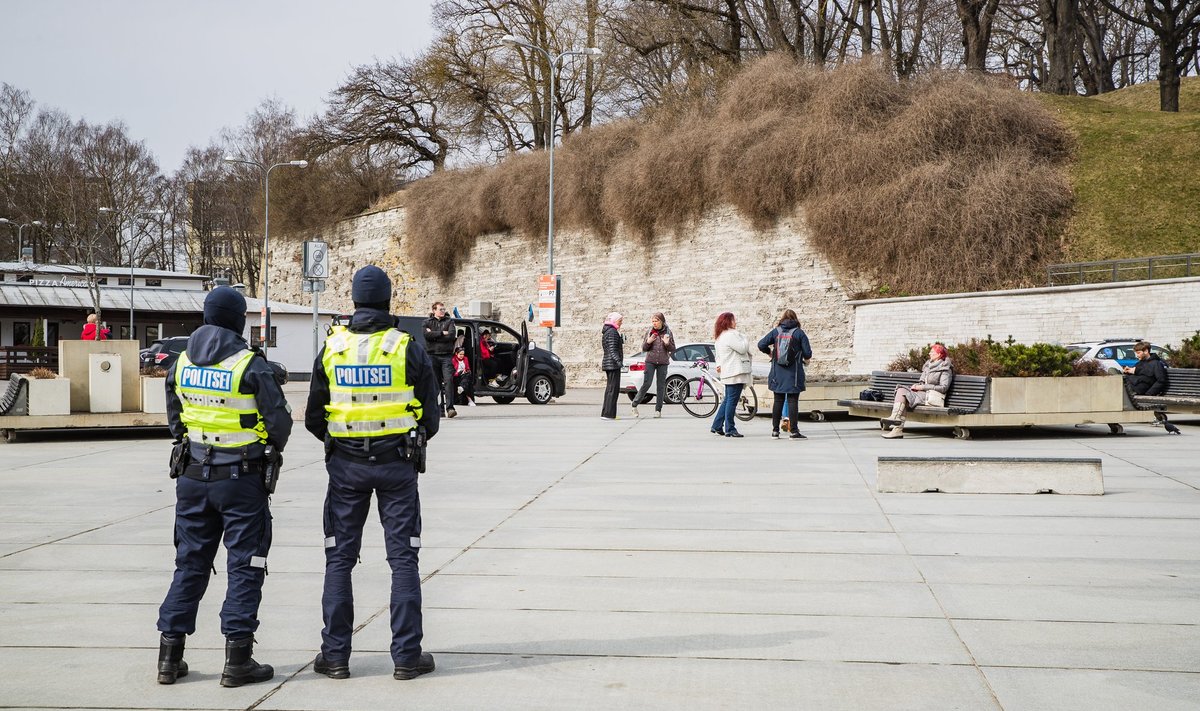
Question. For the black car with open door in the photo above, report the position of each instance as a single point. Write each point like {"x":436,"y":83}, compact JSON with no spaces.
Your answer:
{"x":516,"y":368}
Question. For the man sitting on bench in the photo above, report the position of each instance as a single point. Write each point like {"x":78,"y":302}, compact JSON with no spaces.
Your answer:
{"x":936,"y":376}
{"x":1149,"y":376}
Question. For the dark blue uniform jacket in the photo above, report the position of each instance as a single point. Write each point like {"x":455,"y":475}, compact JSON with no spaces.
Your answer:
{"x":212,"y":344}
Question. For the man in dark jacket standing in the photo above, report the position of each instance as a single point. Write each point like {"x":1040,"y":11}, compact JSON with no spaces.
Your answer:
{"x":373,"y":401}
{"x":1149,"y":376}
{"x":439,"y":339}
{"x":224,"y":399}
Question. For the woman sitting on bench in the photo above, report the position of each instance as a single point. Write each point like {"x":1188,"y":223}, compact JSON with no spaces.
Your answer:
{"x":936,"y":376}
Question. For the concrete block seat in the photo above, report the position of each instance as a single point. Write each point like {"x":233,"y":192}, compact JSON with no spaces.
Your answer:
{"x":979,"y":401}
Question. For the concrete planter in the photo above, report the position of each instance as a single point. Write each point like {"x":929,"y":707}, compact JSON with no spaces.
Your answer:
{"x":1057,"y":395}
{"x":154,"y":394}
{"x":50,"y":396}
{"x":819,"y":396}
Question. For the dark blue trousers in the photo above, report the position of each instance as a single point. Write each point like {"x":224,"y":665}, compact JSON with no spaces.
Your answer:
{"x":204,"y":512}
{"x":347,"y":503}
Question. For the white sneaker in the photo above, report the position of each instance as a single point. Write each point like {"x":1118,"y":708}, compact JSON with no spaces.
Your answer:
{"x":470,"y":403}
{"x":657,"y":414}
{"x":633,"y":408}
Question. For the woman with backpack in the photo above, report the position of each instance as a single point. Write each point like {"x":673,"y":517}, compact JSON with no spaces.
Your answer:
{"x":788,"y":346}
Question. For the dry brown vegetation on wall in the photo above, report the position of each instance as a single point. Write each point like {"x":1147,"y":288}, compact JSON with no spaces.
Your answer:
{"x":945,"y":183}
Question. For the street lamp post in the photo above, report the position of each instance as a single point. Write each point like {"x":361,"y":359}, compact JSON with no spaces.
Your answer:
{"x":144,"y":213}
{"x":20,"y":233}
{"x":552,"y":60}
{"x":264,"y":334}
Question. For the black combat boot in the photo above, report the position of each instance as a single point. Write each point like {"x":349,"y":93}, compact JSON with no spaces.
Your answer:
{"x":170,"y":659}
{"x":240,"y":667}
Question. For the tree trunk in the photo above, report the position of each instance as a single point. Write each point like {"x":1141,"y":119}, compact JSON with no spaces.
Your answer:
{"x":976,"y":17}
{"x":1168,"y":80}
{"x":1060,"y":25}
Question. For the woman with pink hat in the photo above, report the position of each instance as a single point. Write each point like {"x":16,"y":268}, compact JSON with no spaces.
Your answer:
{"x":936,"y":376}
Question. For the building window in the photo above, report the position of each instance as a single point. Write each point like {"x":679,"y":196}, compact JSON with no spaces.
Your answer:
{"x":102,"y":281}
{"x":125,"y":334}
{"x":122,"y":281}
{"x":52,"y":334}
{"x":154,"y":282}
{"x":26,"y":278}
{"x":223,"y":249}
{"x":22,"y":333}
{"x":256,"y":332}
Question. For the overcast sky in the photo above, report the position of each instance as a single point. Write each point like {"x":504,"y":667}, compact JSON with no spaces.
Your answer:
{"x":177,"y":71}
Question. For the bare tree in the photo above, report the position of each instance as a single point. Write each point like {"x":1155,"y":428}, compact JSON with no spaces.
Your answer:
{"x":976,"y":17}
{"x":1176,"y":24}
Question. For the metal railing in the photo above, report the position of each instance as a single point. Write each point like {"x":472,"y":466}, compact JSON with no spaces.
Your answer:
{"x":22,"y":359}
{"x":1170,"y":266}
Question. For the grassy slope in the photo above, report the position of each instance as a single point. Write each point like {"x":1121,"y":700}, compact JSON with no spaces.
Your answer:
{"x":1136,"y":174}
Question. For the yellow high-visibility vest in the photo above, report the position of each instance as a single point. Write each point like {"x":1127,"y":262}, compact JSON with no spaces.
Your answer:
{"x":368,"y":393}
{"x":213,"y":406}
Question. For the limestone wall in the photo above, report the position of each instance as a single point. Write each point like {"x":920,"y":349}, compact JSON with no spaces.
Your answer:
{"x":721,"y":264}
{"x":1160,"y":311}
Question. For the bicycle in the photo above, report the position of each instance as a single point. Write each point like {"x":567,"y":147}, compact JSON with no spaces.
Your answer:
{"x":701,"y":397}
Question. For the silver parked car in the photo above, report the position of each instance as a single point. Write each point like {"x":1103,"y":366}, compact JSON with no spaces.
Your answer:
{"x":681,"y":368}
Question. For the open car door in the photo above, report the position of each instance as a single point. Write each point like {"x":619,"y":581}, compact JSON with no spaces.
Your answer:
{"x":523,"y":358}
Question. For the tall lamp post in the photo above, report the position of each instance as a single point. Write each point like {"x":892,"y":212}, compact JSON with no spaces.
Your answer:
{"x":20,"y":231}
{"x":144,"y":213}
{"x":264,"y":332}
{"x":552,"y":60}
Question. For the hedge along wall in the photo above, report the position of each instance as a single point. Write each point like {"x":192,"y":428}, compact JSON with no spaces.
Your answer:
{"x":722,"y":264}
{"x":1160,"y":311}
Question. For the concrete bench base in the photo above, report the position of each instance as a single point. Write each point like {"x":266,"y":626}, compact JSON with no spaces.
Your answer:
{"x":989,"y":475}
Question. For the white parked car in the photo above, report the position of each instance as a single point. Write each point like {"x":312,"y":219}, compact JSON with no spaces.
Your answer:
{"x":682,"y":368}
{"x":1114,"y":353}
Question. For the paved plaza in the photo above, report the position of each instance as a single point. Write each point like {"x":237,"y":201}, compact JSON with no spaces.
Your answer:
{"x":572,"y":563}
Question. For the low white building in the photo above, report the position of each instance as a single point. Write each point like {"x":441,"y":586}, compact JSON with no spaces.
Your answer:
{"x":49,"y":303}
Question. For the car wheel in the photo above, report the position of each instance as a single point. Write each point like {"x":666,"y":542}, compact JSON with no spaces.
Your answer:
{"x":676,"y":389}
{"x":540,"y":390}
{"x":503,"y":399}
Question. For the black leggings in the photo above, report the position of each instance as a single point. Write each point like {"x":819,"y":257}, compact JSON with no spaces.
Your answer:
{"x":793,"y":405}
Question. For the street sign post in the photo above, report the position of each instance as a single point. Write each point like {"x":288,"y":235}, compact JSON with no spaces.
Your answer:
{"x":316,"y":271}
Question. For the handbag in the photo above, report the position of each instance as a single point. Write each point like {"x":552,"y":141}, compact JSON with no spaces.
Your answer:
{"x":935,"y":399}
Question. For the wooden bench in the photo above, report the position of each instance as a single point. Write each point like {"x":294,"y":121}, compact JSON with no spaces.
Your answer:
{"x":978,"y":401}
{"x":966,"y":396}
{"x":1181,"y":396}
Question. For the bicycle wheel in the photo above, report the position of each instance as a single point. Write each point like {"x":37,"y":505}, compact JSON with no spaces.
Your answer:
{"x":700,"y":399}
{"x":747,"y":406}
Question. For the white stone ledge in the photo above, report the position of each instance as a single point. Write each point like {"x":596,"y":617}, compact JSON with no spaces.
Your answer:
{"x":989,"y":475}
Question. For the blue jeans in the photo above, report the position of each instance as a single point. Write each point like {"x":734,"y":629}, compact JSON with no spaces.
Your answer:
{"x":724,"y":418}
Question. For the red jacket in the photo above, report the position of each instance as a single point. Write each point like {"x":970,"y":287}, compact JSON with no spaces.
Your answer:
{"x":92,"y":332}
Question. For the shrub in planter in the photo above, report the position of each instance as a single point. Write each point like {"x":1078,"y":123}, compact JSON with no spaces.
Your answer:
{"x":154,"y":371}
{"x":42,"y":374}
{"x":1187,"y":355}
{"x":1004,"y":359}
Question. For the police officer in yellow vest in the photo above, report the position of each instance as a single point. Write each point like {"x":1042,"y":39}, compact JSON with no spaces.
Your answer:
{"x":373,"y":401}
{"x":224,"y":399}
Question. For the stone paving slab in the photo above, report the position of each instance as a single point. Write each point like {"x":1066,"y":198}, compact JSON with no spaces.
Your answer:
{"x":1024,"y":689}
{"x":574,"y":563}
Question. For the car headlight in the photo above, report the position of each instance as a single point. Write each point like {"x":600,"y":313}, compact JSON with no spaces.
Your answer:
{"x":556,"y":358}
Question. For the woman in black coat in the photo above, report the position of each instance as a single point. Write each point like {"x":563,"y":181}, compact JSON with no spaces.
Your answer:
{"x":786,"y":381}
{"x":614,"y":356}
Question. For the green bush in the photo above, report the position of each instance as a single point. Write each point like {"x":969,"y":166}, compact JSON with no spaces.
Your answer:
{"x":1006,"y":359}
{"x":1187,"y":355}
